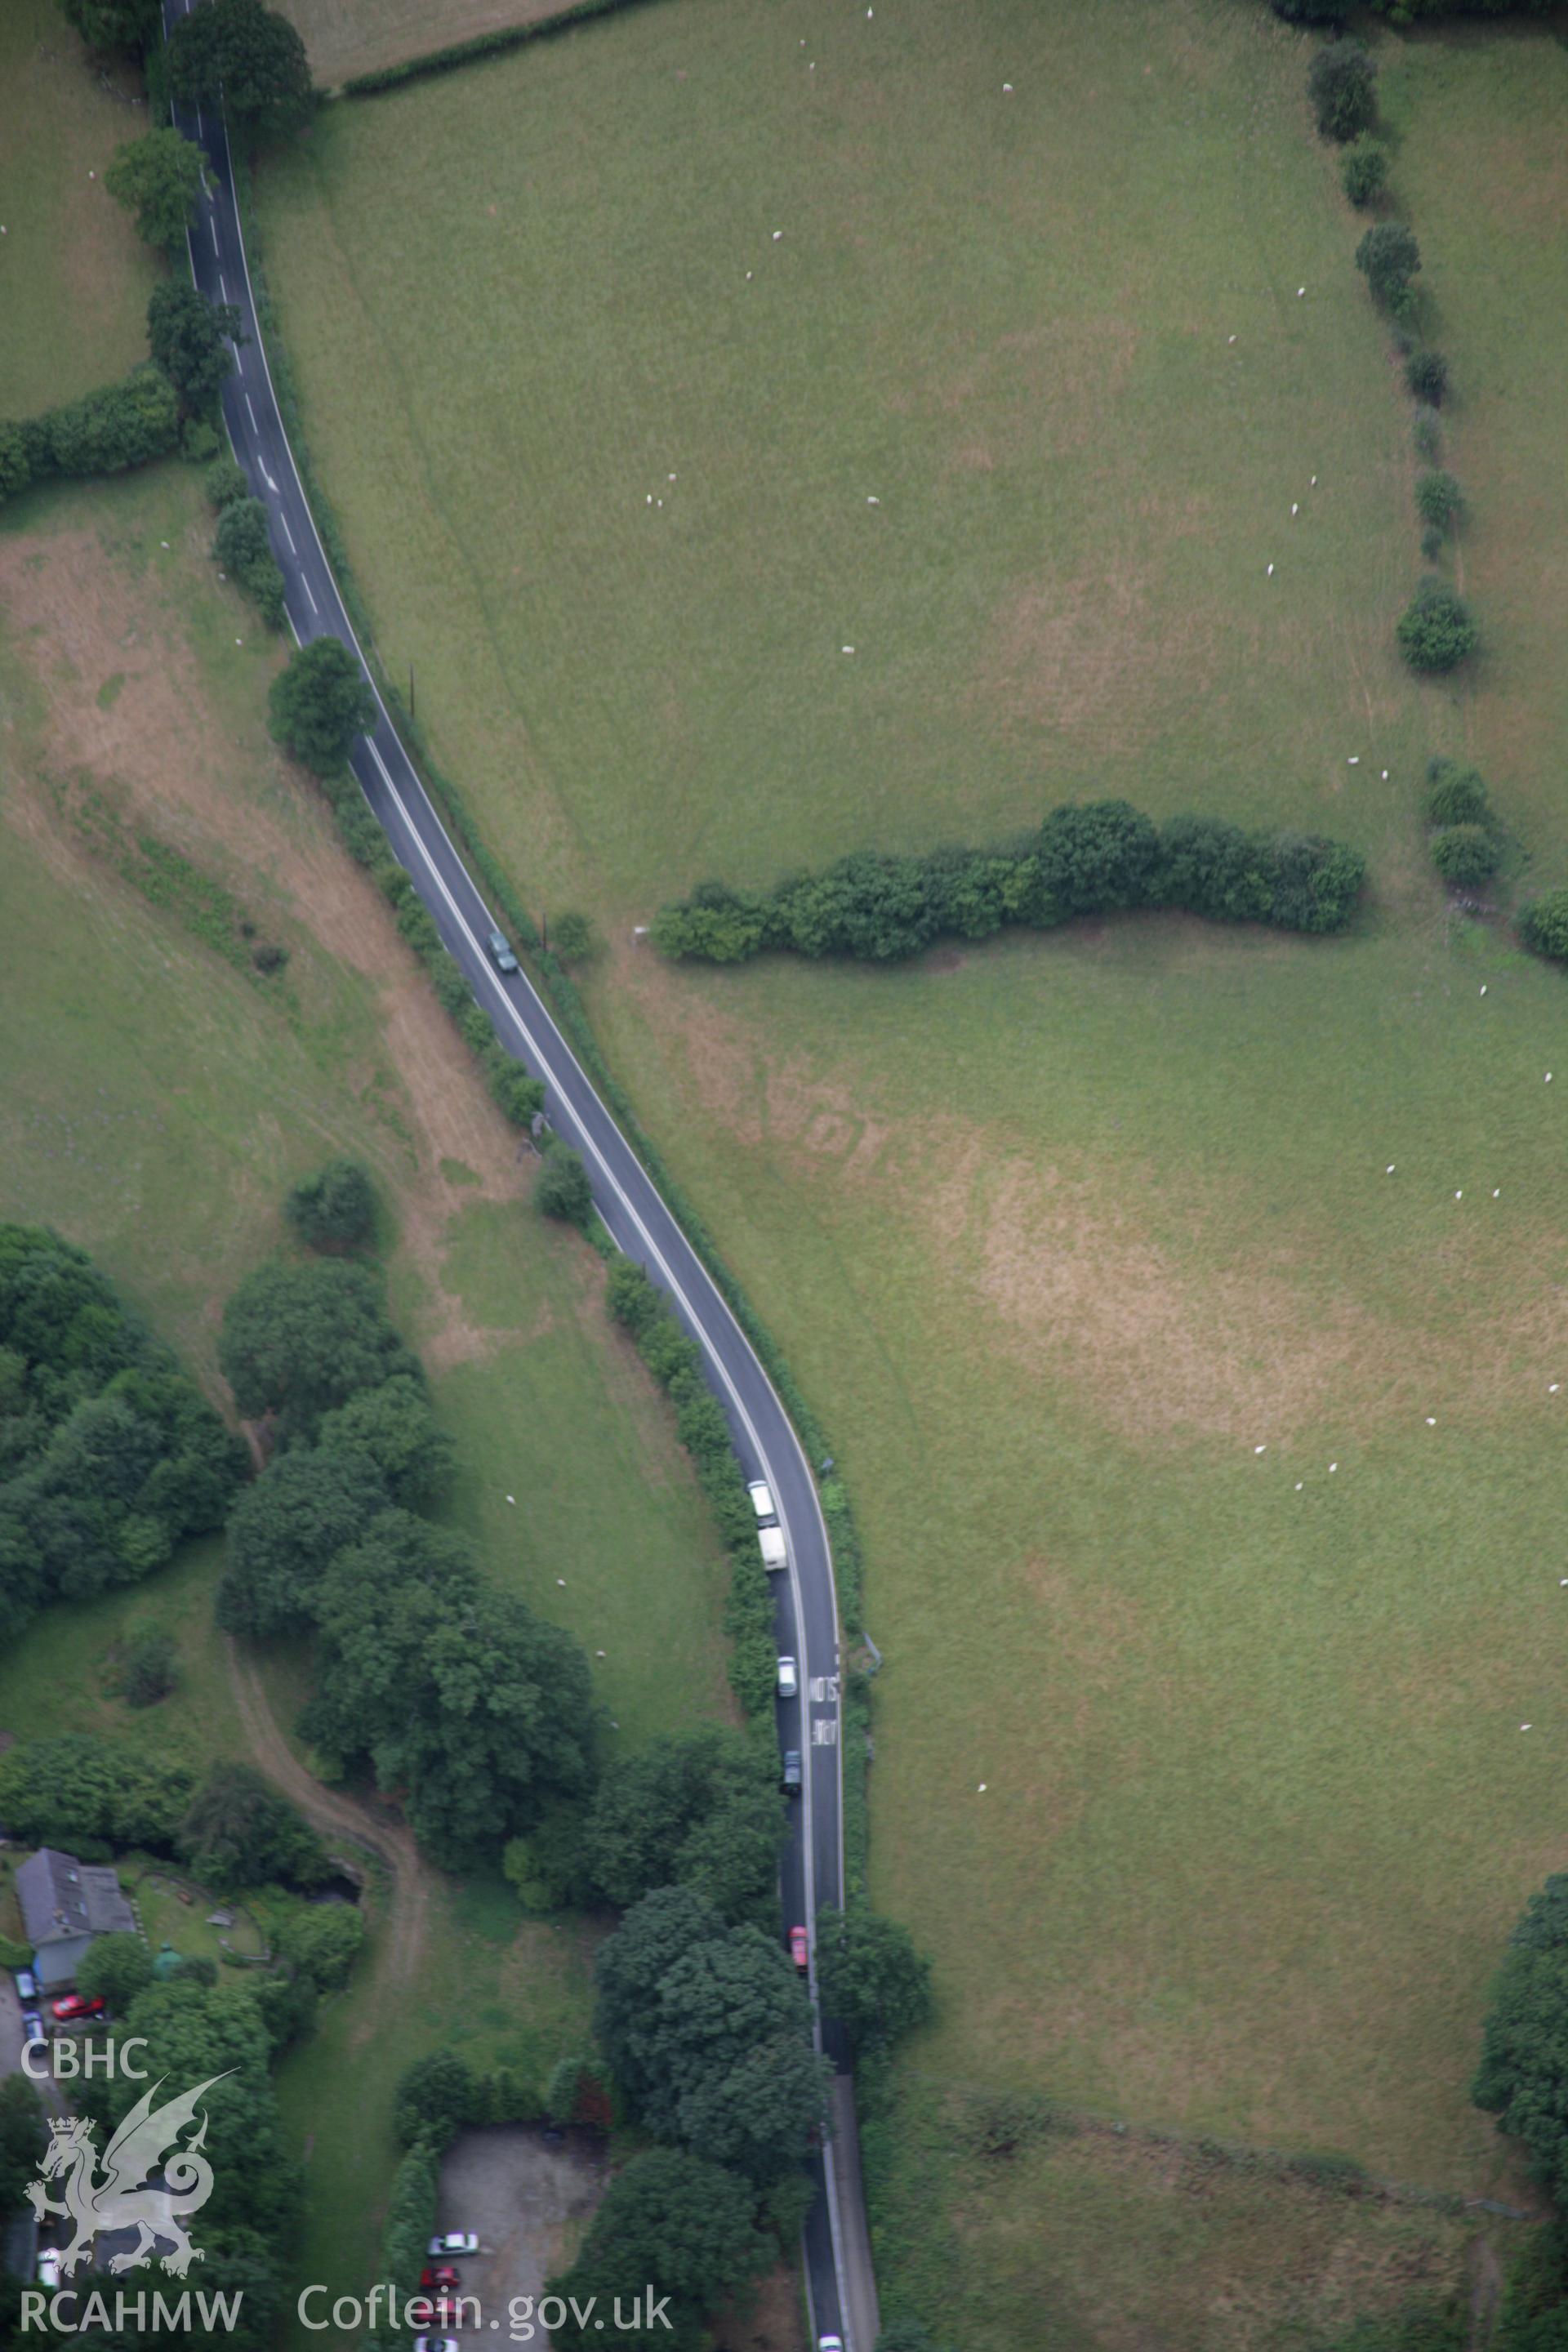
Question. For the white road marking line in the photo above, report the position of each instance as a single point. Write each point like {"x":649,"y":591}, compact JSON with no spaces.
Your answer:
{"x":223,"y":285}
{"x":284,"y":520}
{"x":212,"y":223}
{"x":306,"y":585}
{"x":255,"y":427}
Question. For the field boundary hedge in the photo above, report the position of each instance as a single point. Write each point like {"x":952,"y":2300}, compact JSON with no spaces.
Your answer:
{"x":557,"y":986}
{"x":1093,"y":857}
{"x":482,"y":46}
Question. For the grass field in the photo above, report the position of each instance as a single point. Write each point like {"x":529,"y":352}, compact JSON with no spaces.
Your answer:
{"x":74,"y":276}
{"x":157,"y":1097}
{"x":1058,"y":1235}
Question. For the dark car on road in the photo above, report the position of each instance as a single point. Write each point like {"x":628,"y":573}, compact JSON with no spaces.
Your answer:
{"x":501,"y":955}
{"x":792,"y":1773}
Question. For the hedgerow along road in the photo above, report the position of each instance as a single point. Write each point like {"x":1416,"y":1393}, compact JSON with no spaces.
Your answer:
{"x":838,"y":2272}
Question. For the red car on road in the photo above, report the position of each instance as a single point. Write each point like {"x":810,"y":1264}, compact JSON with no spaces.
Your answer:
{"x":76,"y":2004}
{"x":442,"y":2276}
{"x":800,"y":1949}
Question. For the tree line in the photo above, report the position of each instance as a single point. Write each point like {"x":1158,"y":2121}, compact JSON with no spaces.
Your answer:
{"x":1087,"y":858}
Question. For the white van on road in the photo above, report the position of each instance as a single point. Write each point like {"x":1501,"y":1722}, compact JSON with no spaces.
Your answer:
{"x":762,"y":1501}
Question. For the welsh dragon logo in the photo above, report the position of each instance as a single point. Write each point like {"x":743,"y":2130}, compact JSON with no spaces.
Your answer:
{"x":145,"y":2143}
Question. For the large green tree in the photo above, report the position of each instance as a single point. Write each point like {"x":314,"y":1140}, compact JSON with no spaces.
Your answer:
{"x":709,"y":2032}
{"x":190,"y":340}
{"x":456,"y":1693}
{"x":193,"y":2033}
{"x":250,"y":57}
{"x":1523,"y":2075}
{"x":285,"y":1531}
{"x":322,"y":1941}
{"x":158,"y":178}
{"x":871,"y":1976}
{"x":437,"y":2096}
{"x":704,"y":1812}
{"x":114,"y":1969}
{"x":320,"y":703}
{"x":298,"y":1339}
{"x":240,"y":1830}
{"x":394,"y":1427}
{"x":671,"y":2225}
{"x":1341,"y":82}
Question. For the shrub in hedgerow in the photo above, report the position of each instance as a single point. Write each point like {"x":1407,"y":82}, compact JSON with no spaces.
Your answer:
{"x":1310,"y":11}
{"x":1427,"y":373}
{"x":1341,"y":82}
{"x":1438,"y":497}
{"x":574,"y":939}
{"x":1438,"y":630}
{"x":1388,"y":259}
{"x":563,"y":1190}
{"x":1431,"y":543}
{"x":1464,"y":853}
{"x":1426,"y":432}
{"x":1456,"y":794}
{"x":1544,"y":926}
{"x":1363,"y":172}
{"x":224,"y":481}
{"x":243,"y":548}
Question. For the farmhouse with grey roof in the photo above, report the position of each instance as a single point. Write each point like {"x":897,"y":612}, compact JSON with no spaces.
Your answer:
{"x":65,"y":1903}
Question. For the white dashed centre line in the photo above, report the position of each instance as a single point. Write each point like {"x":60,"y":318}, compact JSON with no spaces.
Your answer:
{"x":287,"y":534}
{"x":254,"y":426}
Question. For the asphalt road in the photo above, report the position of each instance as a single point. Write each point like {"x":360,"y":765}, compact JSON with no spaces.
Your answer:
{"x":838,"y":2254}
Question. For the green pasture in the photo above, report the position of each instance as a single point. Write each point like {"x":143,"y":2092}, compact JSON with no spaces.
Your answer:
{"x":74,"y":276}
{"x":1060,"y":1233}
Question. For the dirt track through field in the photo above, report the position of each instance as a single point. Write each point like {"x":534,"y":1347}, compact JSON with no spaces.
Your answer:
{"x":406,"y":1899}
